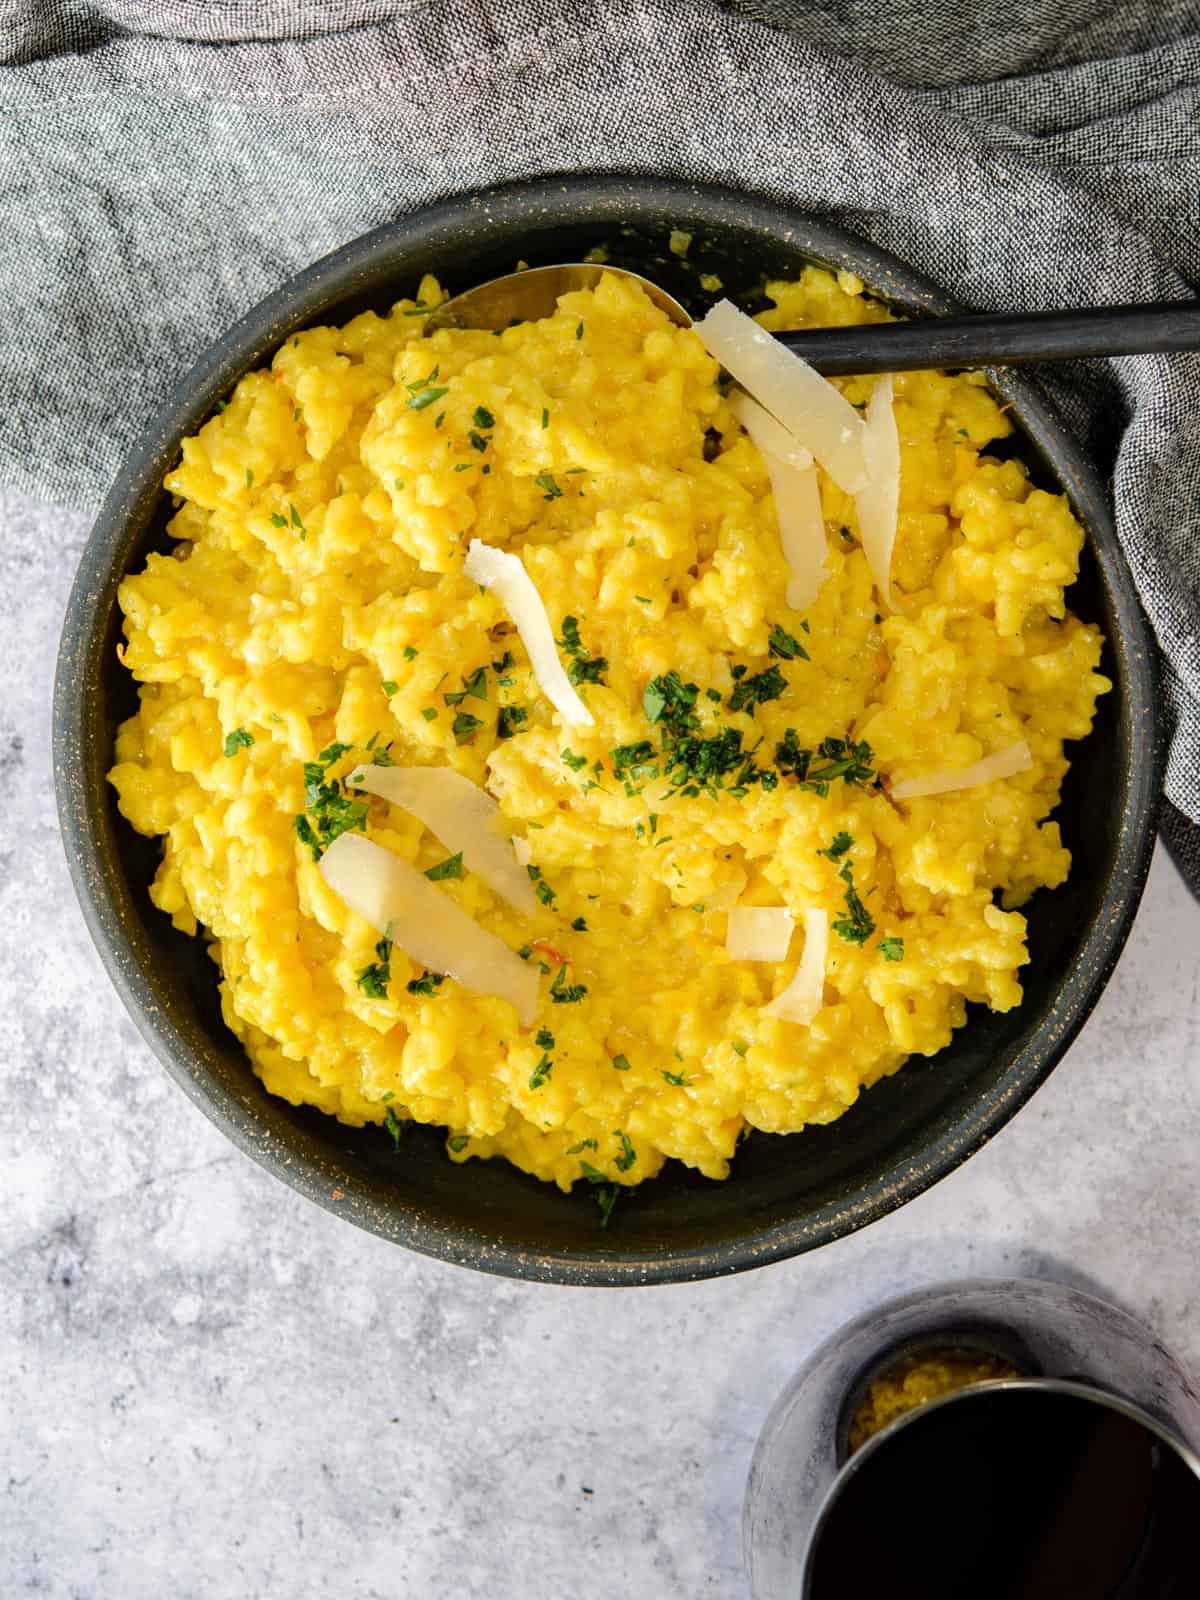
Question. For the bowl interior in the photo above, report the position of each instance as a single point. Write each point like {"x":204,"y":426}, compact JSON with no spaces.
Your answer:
{"x":784,"y":1195}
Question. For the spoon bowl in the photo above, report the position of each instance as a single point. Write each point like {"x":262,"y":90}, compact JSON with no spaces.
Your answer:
{"x":533,"y":292}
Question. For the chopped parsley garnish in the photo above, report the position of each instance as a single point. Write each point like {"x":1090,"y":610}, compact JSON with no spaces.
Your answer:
{"x":541,"y":1073}
{"x":465,"y":727}
{"x":452,"y":867}
{"x":249,"y":476}
{"x":550,"y":489}
{"x":740,"y":1046}
{"x":458,"y":1142}
{"x":628,"y":1154}
{"x":634,"y":760}
{"x":239,"y":739}
{"x":606,"y":1192}
{"x":579,"y":331}
{"x":783,"y":644}
{"x":423,"y":383}
{"x":565,"y":994}
{"x":411,"y":652}
{"x":277,"y":521}
{"x":576,"y":763}
{"x":584,"y":1144}
{"x":509,"y":720}
{"x":427,"y":397}
{"x":543,"y":890}
{"x":891,"y":949}
{"x":483,"y":418}
{"x":580,"y":925}
{"x":477,"y":441}
{"x":545,"y":418}
{"x":382,"y":757}
{"x":833,"y":758}
{"x":621,"y":1063}
{"x":838,"y":846}
{"x":394,"y":1126}
{"x":331,"y":812}
{"x":428,"y":983}
{"x":584,"y":668}
{"x":857,"y":926}
{"x":756,"y":691}
{"x":390,"y":687}
{"x":677,"y":1080}
{"x":374,"y":980}
{"x":429,"y":712}
{"x":669,"y":700}
{"x":544,"y":1039}
{"x":296,"y":522}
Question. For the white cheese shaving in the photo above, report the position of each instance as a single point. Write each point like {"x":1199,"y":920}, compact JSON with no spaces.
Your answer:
{"x":1004,"y":763}
{"x":523,"y":851}
{"x":797,"y":501}
{"x":810,"y":408}
{"x":759,"y":933}
{"x":805,"y":995}
{"x":505,"y":573}
{"x":426,"y":923}
{"x":877,"y":502}
{"x":771,"y":437}
{"x":464,"y":817}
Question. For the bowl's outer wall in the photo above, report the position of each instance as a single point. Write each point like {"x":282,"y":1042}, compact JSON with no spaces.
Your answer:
{"x":786,"y":1196}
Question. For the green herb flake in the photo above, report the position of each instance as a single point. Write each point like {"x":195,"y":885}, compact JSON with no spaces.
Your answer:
{"x":566,"y":994}
{"x":628,"y":1154}
{"x":509,"y":720}
{"x":740,"y":1046}
{"x":550,"y":489}
{"x":541,"y":1073}
{"x":891,"y":949}
{"x":781,"y":643}
{"x":838,"y":846}
{"x":239,"y":739}
{"x":458,"y":1142}
{"x":757,"y":690}
{"x":678,"y":1081}
{"x":394,"y":1126}
{"x":483,"y":418}
{"x":249,"y":476}
{"x":390,"y":687}
{"x":584,"y":1144}
{"x":429,"y":712}
{"x":570,"y":759}
{"x":452,"y":867}
{"x":428,"y":983}
{"x":857,"y":926}
{"x":465,"y":727}
{"x":580,"y":925}
{"x":545,"y":418}
{"x":296,"y":522}
{"x":477,"y":441}
{"x":579,"y":330}
{"x":544,"y":1039}
{"x":277,"y":521}
{"x":621,"y":1063}
{"x":427,"y":397}
{"x":542,"y":889}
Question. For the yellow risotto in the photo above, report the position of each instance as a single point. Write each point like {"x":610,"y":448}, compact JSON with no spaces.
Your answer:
{"x":314,"y":617}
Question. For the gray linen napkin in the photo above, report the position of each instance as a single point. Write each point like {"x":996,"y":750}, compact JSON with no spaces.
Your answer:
{"x":165,"y":163}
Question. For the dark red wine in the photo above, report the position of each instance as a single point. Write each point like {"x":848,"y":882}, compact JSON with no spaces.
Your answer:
{"x":1018,"y":1494}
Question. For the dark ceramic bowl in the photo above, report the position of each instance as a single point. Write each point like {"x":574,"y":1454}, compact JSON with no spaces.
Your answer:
{"x":785,"y":1196}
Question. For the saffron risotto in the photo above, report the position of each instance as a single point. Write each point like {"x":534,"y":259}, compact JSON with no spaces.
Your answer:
{"x":314,"y":617}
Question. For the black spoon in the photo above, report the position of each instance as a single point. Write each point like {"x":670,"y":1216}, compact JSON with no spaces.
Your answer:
{"x":989,"y":340}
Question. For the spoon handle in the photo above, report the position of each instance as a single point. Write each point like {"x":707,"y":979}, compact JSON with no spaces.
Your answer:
{"x":999,"y":340}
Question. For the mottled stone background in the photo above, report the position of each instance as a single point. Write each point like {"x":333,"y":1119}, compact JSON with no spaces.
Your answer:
{"x":210,"y":1390}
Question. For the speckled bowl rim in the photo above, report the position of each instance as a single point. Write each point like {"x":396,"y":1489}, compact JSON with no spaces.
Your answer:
{"x":106,"y":898}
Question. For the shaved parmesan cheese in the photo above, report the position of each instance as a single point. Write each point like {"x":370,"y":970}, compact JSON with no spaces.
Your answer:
{"x":1004,"y":763}
{"x":464,"y":817}
{"x":523,"y":851}
{"x":505,"y":573}
{"x":426,"y":923}
{"x":878,"y":500}
{"x":817,"y":414}
{"x":759,"y":933}
{"x":805,"y":995}
{"x":728,"y":895}
{"x":771,"y":437}
{"x":797,"y":502}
